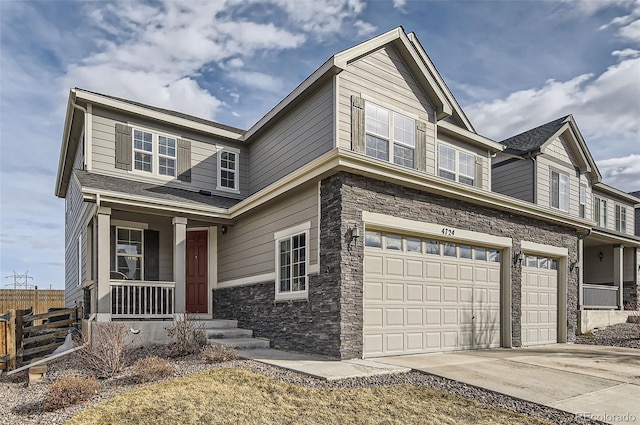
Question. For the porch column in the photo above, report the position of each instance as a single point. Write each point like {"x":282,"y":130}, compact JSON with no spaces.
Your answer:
{"x":618,"y":273}
{"x":103,"y":288}
{"x":179,"y":262}
{"x":580,"y":274}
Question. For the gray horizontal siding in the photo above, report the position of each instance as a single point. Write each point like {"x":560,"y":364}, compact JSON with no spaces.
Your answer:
{"x":514,"y":179}
{"x":298,"y":138}
{"x":383,"y":76}
{"x":248,"y":247}
{"x":77,"y":214}
{"x":204,"y":152}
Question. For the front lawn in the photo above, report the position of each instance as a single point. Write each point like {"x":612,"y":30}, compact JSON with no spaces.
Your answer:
{"x":237,"y":396}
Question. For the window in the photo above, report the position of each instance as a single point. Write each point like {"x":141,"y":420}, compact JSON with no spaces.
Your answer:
{"x":433,"y":247}
{"x":414,"y":245}
{"x":583,"y":201}
{"x":80,"y":260}
{"x":600,"y":211}
{"x":450,"y":250}
{"x":465,"y":251}
{"x":394,"y":242}
{"x":292,"y":258}
{"x":494,"y":255}
{"x":145,"y":144}
{"x":621,"y":219}
{"x":129,"y":252}
{"x":480,"y":254}
{"x":456,"y":165}
{"x":382,"y":126}
{"x":559,"y":191}
{"x":373,"y":239}
{"x":228,"y":170}
{"x":532,"y":261}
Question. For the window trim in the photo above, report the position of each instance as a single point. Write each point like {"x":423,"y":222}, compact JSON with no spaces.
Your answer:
{"x":390,"y":138}
{"x":561,"y":198}
{"x":582,"y":202}
{"x":279,"y":236}
{"x":600,"y":211}
{"x":456,"y":164}
{"x":155,"y":153}
{"x":80,"y":259}
{"x":621,"y":218}
{"x":141,"y":255}
{"x":236,"y":187}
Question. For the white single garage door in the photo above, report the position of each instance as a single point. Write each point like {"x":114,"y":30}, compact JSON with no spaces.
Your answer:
{"x":423,"y":295}
{"x":539,"y":300}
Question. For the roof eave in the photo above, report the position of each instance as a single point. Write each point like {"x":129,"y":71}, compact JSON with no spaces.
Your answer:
{"x":469,"y":136}
{"x":612,"y":191}
{"x":60,"y":191}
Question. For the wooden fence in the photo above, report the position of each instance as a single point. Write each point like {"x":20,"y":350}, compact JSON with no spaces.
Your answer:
{"x":38,"y":299}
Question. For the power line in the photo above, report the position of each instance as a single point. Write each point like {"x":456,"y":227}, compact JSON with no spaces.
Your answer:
{"x":20,"y":280}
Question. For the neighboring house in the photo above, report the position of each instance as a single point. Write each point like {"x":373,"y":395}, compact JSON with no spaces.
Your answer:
{"x":551,"y":166}
{"x":355,"y":219}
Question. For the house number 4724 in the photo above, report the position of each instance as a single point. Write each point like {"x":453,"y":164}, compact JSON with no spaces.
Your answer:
{"x":448,"y":232}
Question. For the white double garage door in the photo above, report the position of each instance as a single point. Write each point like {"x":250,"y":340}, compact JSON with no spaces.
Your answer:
{"x":426,"y":295}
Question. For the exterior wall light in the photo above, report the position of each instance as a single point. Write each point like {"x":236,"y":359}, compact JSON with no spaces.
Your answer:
{"x":601,"y":256}
{"x":355,"y":233}
{"x":223,"y":229}
{"x":518,"y":258}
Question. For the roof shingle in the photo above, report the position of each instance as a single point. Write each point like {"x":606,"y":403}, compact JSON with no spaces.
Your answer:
{"x":534,"y":138}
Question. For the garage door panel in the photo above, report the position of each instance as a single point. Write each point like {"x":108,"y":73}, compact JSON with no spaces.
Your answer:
{"x":425,"y":302}
{"x":539,"y":304}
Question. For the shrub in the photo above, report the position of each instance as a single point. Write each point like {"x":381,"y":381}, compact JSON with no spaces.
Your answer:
{"x":187,"y":335}
{"x":219,"y":353}
{"x":634,"y":319}
{"x":68,"y":391}
{"x":152,"y":369}
{"x":104,"y":355}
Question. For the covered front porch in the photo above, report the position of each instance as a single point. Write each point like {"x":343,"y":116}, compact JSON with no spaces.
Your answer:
{"x":149,"y":266}
{"x":610,"y":271}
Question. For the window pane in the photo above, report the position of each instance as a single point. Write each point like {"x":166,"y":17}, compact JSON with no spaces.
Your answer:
{"x":532,"y":261}
{"x":166,"y":166}
{"x":377,"y":147}
{"x":447,"y":159}
{"x":555,"y":189}
{"x":554,"y":264}
{"x":544,"y":263}
{"x":564,"y":192}
{"x":404,"y":130}
{"x":166,"y":146}
{"x":447,"y":175}
{"x":414,"y":245}
{"x":129,"y":266}
{"x":450,"y":250}
{"x":467,"y":166}
{"x":494,"y":255}
{"x":433,"y":247}
{"x":466,"y":180}
{"x":228,"y":179}
{"x":376,"y":120}
{"x":394,"y":242}
{"x":480,"y":254}
{"x":373,"y":239}
{"x":403,"y":155}
{"x":142,"y":161}
{"x":465,"y":251}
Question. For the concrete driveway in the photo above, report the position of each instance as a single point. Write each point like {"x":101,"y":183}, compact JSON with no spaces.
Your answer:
{"x":594,"y":381}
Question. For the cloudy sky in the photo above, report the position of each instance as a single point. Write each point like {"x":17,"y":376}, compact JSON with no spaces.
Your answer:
{"x":511,"y":64}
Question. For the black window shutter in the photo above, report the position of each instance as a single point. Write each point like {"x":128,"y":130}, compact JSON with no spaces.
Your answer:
{"x":123,"y":147}
{"x":357,"y":124}
{"x":421,"y":146}
{"x":151,"y":255}
{"x":184,"y":160}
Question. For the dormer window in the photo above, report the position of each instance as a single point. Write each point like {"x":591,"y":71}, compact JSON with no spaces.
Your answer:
{"x":384,"y":127}
{"x":228,"y":164}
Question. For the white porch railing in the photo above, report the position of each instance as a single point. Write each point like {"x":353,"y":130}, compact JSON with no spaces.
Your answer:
{"x":136,"y":299}
{"x":600,"y":296}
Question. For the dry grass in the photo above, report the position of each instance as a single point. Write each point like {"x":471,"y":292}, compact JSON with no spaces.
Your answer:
{"x":68,"y":391}
{"x":219,"y":353}
{"x":235,"y":396}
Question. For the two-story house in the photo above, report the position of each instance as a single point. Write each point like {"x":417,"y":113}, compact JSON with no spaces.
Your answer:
{"x":551,"y":166}
{"x":355,"y":219}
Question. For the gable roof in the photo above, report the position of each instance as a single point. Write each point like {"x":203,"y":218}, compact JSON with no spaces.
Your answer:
{"x":533,"y":139}
{"x":636,"y":194}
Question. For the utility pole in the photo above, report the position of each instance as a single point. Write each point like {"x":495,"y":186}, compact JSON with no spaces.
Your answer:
{"x":20,"y":280}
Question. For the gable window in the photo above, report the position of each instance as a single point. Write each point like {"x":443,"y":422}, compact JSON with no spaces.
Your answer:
{"x":228,"y":162}
{"x":621,"y":219}
{"x":583,"y":201}
{"x":559,"y":191}
{"x":292,"y":258}
{"x":456,"y":165}
{"x":600,"y":211}
{"x":129,"y":243}
{"x":154,"y":153}
{"x":383,"y":127}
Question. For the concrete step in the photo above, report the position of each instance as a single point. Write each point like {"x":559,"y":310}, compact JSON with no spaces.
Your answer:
{"x":217,"y":324}
{"x":241,"y":343}
{"x":228,"y":333}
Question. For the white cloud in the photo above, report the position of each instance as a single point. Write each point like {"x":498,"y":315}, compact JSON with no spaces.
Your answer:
{"x":258,"y":80}
{"x":622,"y":173}
{"x":321,"y":18}
{"x":606,"y":108}
{"x":626,"y":53}
{"x":399,"y":4}
{"x":631,"y":31}
{"x":364,"y":28}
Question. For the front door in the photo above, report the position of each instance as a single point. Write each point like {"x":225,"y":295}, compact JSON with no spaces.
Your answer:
{"x":197,"y":273}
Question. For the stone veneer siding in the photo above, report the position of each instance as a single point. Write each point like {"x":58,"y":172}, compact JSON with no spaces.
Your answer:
{"x":331,"y":321}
